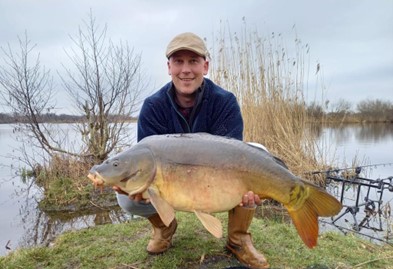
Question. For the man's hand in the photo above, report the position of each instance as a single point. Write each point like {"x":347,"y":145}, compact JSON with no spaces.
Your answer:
{"x":134,"y":197}
{"x":250,"y":200}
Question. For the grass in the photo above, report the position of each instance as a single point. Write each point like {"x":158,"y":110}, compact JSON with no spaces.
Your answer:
{"x":63,"y":194}
{"x":66,"y":187}
{"x":123,"y":246}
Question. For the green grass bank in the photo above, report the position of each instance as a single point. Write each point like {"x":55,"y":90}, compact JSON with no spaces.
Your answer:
{"x":123,"y":246}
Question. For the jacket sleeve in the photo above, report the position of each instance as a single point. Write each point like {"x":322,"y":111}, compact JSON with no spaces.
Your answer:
{"x":150,"y":120}
{"x":227,"y":119}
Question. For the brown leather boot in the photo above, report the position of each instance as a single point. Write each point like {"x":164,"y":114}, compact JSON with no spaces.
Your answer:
{"x":161,"y":239}
{"x":239,"y":240}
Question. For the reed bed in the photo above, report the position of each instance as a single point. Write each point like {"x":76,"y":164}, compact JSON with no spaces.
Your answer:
{"x":268,"y":81}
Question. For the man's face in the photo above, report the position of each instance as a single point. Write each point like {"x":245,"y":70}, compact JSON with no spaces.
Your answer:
{"x":187,"y":70}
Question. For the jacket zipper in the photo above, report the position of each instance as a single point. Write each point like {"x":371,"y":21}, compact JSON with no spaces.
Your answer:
{"x":181,"y":115}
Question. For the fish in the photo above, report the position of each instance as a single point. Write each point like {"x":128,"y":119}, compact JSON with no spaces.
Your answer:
{"x":206,"y":174}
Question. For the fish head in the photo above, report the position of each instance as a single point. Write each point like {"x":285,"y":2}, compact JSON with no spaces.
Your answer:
{"x":132,"y":171}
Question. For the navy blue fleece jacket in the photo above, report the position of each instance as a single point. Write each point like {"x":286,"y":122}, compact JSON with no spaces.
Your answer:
{"x":216,"y":112}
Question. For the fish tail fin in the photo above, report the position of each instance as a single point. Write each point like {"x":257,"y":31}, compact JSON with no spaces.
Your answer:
{"x":317,"y":203}
{"x":305,"y":220}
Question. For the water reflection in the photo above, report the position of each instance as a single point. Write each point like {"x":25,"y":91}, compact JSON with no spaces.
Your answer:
{"x":364,"y":133}
{"x":42,"y":228}
{"x":374,"y":133}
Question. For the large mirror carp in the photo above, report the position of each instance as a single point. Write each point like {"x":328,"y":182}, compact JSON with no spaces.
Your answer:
{"x":204,"y":174}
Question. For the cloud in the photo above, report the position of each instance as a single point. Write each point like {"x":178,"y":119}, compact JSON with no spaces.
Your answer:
{"x":351,"y":40}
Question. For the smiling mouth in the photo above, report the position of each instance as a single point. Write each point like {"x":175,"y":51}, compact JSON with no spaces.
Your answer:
{"x":186,"y":79}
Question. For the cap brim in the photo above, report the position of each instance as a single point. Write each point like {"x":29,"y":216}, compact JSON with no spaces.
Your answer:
{"x":169,"y":54}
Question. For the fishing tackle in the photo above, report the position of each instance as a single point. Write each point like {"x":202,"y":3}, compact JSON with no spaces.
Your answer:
{"x":367,"y":210}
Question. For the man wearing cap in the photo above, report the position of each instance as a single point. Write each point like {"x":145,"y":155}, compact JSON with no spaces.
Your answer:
{"x":191,"y":103}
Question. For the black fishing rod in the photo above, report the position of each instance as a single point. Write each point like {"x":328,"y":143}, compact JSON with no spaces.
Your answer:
{"x":357,"y":169}
{"x":372,"y":205}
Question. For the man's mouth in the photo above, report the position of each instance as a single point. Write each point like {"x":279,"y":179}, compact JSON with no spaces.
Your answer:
{"x":186,"y":79}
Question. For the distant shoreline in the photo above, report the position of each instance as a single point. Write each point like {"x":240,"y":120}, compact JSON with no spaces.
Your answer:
{"x":53,"y":118}
{"x":6,"y":118}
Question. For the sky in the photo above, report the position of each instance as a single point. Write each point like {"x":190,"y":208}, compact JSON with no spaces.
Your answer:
{"x":351,"y":40}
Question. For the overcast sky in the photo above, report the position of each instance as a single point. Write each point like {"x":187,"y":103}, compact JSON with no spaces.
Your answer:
{"x":352,"y":40}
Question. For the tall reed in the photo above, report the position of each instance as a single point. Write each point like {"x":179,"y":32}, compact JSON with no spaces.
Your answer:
{"x":269,"y":83}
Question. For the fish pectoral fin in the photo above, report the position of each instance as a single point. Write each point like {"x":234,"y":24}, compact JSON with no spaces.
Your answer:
{"x":165,"y":210}
{"x":211,"y":223}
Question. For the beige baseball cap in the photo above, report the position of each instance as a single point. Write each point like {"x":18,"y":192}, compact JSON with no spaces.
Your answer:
{"x":187,"y":41}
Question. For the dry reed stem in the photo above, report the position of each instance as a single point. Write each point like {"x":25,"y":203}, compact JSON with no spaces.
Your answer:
{"x":268,"y":83}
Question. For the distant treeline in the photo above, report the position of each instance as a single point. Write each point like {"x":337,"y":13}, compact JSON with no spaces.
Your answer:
{"x":366,"y":111}
{"x":53,"y":118}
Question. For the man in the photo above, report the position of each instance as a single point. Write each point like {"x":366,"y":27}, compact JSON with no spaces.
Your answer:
{"x":192,"y":103}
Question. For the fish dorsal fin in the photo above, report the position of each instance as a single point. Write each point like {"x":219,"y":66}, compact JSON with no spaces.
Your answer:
{"x":212,"y":224}
{"x":165,"y":210}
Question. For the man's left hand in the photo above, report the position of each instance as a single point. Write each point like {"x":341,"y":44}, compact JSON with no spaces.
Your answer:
{"x":250,"y":200}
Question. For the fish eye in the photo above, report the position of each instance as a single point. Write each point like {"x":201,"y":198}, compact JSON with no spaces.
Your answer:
{"x":116,"y":164}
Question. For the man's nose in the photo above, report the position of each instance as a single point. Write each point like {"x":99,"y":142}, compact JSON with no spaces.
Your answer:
{"x":186,"y":68}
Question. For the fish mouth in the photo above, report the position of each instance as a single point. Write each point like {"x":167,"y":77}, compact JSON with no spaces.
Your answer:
{"x":97,"y":179}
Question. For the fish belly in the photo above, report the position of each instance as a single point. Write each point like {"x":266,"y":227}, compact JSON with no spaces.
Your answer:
{"x":200,"y":188}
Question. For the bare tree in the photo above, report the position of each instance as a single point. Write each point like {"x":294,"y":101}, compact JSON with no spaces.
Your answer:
{"x":341,"y":109}
{"x":27,"y":90}
{"x":106,"y":85}
{"x":375,"y":109}
{"x":315,"y":111}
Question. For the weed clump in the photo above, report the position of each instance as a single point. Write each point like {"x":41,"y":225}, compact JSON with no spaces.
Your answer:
{"x":65,"y":186}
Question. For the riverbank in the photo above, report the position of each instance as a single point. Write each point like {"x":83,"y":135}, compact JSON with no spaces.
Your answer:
{"x":123,"y":246}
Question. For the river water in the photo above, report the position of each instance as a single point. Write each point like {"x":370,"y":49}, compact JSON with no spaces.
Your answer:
{"x":21,"y":224}
{"x":367,"y":202}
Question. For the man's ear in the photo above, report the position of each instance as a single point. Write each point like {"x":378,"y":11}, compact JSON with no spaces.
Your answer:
{"x":169,"y":68}
{"x":206,"y":68}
